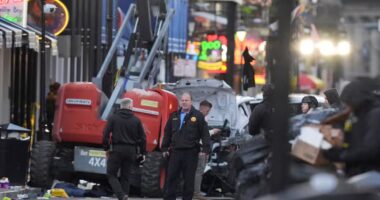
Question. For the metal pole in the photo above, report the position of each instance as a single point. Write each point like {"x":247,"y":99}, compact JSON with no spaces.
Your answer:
{"x":280,"y":120}
{"x":42,"y":66}
{"x":109,"y":23}
{"x":231,"y":29}
{"x":72,"y":43}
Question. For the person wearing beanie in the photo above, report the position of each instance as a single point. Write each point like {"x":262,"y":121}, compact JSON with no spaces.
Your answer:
{"x":333,"y":98}
{"x":363,"y":150}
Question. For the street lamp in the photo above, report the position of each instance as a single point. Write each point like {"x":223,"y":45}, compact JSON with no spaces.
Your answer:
{"x":241,"y":34}
{"x":344,"y":48}
{"x":45,"y":9}
{"x":326,"y":48}
{"x":42,"y":119}
{"x":306,"y":46}
{"x":262,"y":46}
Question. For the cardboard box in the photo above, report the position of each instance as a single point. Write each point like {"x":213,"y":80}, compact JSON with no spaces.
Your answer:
{"x":307,"y":146}
{"x":308,"y":153}
{"x":332,"y":135}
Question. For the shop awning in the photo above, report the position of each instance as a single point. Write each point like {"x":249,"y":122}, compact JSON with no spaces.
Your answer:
{"x":7,"y":37}
{"x":14,"y":34}
{"x":52,"y":38}
{"x":29,"y":35}
{"x":19,"y":35}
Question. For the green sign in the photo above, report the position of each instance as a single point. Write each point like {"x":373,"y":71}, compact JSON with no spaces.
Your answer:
{"x":208,"y":46}
{"x":12,"y":18}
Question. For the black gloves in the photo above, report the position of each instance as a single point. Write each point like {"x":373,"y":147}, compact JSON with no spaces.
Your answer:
{"x":333,"y":154}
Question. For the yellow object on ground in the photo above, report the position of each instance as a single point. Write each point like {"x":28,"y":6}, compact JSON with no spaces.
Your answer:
{"x":58,"y":192}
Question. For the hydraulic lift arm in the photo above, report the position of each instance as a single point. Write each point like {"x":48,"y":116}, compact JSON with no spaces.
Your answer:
{"x":99,"y":77}
{"x":128,"y":81}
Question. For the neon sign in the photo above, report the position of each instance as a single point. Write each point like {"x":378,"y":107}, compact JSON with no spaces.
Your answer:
{"x":55,"y":22}
{"x":213,"y":54}
{"x":209,"y":46}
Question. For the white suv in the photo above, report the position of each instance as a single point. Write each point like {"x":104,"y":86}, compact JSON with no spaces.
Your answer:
{"x":246,"y":104}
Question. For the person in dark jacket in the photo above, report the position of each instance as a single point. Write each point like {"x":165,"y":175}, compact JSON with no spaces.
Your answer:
{"x":363,"y":151}
{"x":123,"y":136}
{"x":183,"y":131}
{"x":260,"y":119}
{"x":333,"y":98}
{"x":50,"y":104}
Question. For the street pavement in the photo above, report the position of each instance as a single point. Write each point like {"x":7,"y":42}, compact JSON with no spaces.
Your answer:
{"x":132,"y":198}
{"x":210,"y":198}
{"x":31,"y":193}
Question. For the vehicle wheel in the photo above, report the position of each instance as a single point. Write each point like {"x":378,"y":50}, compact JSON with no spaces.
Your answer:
{"x":152,"y":179}
{"x":40,"y":167}
{"x":251,"y":190}
{"x":63,"y":168}
{"x":251,"y":182}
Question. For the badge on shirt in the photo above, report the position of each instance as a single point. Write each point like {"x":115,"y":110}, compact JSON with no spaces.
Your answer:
{"x":193,"y":119}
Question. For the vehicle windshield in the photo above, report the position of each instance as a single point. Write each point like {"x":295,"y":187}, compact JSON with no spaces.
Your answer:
{"x":221,"y":97}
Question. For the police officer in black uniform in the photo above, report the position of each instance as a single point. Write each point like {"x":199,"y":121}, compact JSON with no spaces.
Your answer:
{"x":127,"y":137}
{"x":260,"y":119}
{"x":183,"y":131}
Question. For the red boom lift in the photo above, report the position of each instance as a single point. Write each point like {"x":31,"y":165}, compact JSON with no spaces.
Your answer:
{"x":82,"y":109}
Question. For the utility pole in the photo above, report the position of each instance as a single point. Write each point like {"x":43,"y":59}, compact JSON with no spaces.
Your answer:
{"x":280,"y":78}
{"x":107,"y":81}
{"x":231,"y":29}
{"x":42,"y":118}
